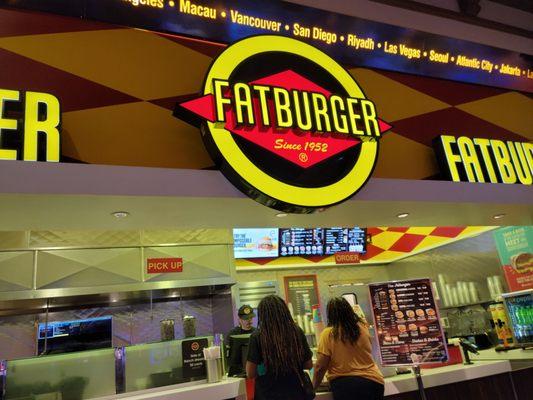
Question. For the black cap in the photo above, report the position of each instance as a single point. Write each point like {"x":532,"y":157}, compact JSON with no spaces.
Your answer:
{"x":246,"y":312}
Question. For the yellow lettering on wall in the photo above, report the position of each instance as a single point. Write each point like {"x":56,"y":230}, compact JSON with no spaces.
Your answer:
{"x":48,"y":126}
{"x":320,"y":106}
{"x":262,"y":91}
{"x":484,"y":145}
{"x":467,"y":150}
{"x":523,"y":171}
{"x":283,"y":107}
{"x":528,"y":151}
{"x":503,"y":161}
{"x":370,"y":118}
{"x":353,"y":115}
{"x":243,"y":103}
{"x":302,"y":110}
{"x":340,"y":122}
{"x":7,"y":123}
{"x":219,"y":86}
{"x":451,"y":158}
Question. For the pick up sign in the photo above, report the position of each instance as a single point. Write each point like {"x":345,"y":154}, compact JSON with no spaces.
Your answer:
{"x":164,"y":265}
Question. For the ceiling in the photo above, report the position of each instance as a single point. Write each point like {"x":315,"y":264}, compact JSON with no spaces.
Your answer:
{"x":42,"y":212}
{"x":54,"y":196}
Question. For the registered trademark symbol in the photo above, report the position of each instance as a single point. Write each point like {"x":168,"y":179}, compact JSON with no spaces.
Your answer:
{"x":303,"y":157}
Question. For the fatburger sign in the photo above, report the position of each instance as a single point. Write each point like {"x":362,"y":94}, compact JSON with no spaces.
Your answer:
{"x":286,"y":124}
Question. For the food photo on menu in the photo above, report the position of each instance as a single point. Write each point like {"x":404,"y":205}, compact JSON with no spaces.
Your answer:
{"x":255,"y":243}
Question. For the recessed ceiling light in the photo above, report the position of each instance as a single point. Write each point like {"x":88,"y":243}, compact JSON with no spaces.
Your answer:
{"x":498,"y":216}
{"x":120,"y":214}
{"x":281,"y":215}
{"x":403,"y":215}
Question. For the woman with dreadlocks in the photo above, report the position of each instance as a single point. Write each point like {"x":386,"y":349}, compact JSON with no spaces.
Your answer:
{"x":345,"y":353}
{"x":277,"y":353}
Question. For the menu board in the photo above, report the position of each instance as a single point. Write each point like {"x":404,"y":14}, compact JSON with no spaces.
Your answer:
{"x":407,"y":323}
{"x":337,"y":240}
{"x":255,"y":243}
{"x":301,"y":292}
{"x":301,"y":241}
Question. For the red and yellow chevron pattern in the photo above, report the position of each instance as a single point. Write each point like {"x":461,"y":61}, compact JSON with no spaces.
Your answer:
{"x":388,"y":244}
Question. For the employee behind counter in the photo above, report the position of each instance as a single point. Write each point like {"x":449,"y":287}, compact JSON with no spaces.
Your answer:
{"x":237,"y":341}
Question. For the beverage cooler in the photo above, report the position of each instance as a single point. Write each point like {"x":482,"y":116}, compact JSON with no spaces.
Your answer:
{"x":519,"y":306}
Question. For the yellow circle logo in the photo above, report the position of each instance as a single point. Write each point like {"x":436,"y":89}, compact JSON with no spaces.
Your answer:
{"x":286,"y":124}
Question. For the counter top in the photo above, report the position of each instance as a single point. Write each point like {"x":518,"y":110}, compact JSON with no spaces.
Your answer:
{"x":236,"y":388}
{"x":439,"y":376}
{"x":491,"y":354}
{"x":226,"y":389}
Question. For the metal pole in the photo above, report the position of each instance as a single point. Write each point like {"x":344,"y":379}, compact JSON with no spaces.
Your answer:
{"x":420,"y":384}
{"x":120,"y":370}
{"x":46,"y":328}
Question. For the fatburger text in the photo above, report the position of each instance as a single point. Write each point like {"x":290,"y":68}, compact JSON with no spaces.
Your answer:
{"x":307,"y":111}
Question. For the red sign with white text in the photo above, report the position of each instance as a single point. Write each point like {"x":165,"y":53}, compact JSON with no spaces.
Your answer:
{"x":347,"y":257}
{"x":164,"y":265}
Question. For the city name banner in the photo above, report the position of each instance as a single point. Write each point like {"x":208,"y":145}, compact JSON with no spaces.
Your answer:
{"x":351,"y":41}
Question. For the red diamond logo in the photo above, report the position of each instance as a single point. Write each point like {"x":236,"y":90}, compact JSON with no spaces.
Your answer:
{"x":304,"y":149}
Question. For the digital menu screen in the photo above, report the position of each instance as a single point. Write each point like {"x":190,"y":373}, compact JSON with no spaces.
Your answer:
{"x":78,"y":335}
{"x":255,"y":243}
{"x":301,"y":241}
{"x":407,"y":323}
{"x":344,"y":239}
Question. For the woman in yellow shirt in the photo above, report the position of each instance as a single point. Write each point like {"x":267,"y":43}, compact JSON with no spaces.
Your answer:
{"x":345,"y":353}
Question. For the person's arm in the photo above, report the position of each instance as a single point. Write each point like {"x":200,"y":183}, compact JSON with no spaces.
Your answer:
{"x":307,"y":353}
{"x":321,"y":367}
{"x":323,"y":357}
{"x":251,"y":370}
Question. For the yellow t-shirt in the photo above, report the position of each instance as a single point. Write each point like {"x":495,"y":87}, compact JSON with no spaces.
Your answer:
{"x":347,"y":359}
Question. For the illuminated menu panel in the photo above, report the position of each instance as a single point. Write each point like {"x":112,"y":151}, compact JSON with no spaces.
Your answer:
{"x":255,"y":243}
{"x":350,"y":40}
{"x":407,"y":323}
{"x":344,"y":239}
{"x":301,"y":241}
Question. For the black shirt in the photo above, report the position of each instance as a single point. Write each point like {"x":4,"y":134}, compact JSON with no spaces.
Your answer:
{"x":270,"y":387}
{"x":234,"y":354}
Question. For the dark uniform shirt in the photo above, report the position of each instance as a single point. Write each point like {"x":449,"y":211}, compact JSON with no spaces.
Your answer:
{"x":233,"y":354}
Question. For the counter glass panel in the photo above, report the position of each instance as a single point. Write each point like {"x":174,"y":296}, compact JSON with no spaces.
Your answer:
{"x":156,"y":364}
{"x":78,"y":375}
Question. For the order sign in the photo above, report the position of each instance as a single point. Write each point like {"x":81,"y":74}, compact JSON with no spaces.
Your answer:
{"x":286,"y":124}
{"x":407,"y":323}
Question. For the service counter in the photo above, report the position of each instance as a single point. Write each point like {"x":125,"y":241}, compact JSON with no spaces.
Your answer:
{"x":481,"y":380}
{"x":511,"y":355}
{"x":476,"y":381}
{"x":156,"y":372}
{"x":228,"y":388}
{"x":519,"y":358}
{"x":452,"y":374}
